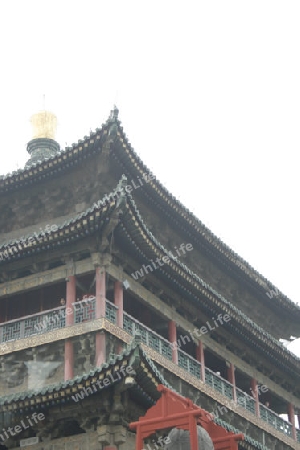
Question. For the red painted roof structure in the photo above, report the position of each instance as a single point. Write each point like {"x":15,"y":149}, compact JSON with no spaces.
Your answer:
{"x":174,"y":411}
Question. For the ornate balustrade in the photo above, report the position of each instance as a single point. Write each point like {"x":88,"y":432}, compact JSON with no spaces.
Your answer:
{"x":31,"y":325}
{"x":193,"y":366}
{"x":85,"y":310}
{"x":245,"y":401}
{"x":111,"y":311}
{"x":190,"y":364}
{"x":275,"y":421}
{"x":149,"y":337}
{"x":218,"y":383}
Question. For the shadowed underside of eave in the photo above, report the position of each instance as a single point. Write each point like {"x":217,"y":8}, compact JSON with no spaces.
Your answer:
{"x":119,"y":208}
{"x":187,"y":224}
{"x":172,"y":210}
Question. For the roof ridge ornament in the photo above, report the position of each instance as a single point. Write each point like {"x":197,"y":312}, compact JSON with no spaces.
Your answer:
{"x":122,"y":182}
{"x":121,"y":190}
{"x":114,"y":113}
{"x":137,"y":338}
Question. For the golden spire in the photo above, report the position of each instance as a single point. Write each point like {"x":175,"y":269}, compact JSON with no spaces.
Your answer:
{"x":43,"y":144}
{"x":44,"y":125}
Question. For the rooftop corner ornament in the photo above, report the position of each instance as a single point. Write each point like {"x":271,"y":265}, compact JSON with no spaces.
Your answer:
{"x":174,"y":411}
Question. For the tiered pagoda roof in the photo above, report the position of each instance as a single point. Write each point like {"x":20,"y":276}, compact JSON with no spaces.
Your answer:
{"x":121,"y":214}
{"x":131,"y":233}
{"x":166,"y":204}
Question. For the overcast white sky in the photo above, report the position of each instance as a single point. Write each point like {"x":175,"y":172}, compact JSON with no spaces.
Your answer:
{"x":209,"y":97}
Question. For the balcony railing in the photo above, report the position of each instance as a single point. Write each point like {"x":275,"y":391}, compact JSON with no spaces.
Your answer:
{"x":275,"y":421}
{"x":85,"y":310}
{"x":111,"y":312}
{"x":245,"y":401}
{"x":218,"y":383}
{"x":191,"y":365}
{"x":149,"y":337}
{"x":188,"y":363}
{"x":31,"y":325}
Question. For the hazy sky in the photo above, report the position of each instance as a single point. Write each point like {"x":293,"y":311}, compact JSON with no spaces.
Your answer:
{"x":208,"y":94}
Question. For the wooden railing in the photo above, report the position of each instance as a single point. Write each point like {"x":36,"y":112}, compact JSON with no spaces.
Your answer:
{"x":84,"y":311}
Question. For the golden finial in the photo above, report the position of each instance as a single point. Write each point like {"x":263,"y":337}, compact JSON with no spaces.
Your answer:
{"x":44,"y":125}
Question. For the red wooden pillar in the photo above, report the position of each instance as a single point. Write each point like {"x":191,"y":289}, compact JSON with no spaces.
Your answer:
{"x":254,"y":392}
{"x":69,"y":350}
{"x":231,"y":379}
{"x":100,"y":312}
{"x":291,"y":416}
{"x":100,"y":292}
{"x":173,"y":340}
{"x":119,"y":302}
{"x":200,"y":357}
{"x":193,"y":433}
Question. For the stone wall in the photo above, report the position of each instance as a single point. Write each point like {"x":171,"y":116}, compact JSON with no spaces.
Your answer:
{"x":86,"y":441}
{"x":37,"y":367}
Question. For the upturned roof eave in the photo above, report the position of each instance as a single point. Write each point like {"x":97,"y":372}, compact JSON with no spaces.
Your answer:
{"x":64,"y":160}
{"x":194,"y":283}
{"x":60,"y":392}
{"x":190,"y":221}
{"x":72,"y":156}
{"x":88,"y":221}
{"x":73,"y":229}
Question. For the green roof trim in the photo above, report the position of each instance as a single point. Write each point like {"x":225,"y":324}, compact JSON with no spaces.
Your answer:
{"x":116,"y":200}
{"x":133,"y":350}
{"x":113,"y":131}
{"x":229,"y":307}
